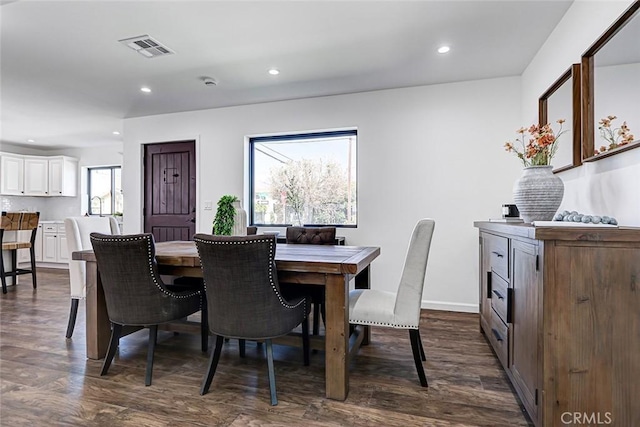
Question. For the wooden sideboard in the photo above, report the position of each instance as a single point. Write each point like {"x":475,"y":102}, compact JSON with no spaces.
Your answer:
{"x":560,"y":306}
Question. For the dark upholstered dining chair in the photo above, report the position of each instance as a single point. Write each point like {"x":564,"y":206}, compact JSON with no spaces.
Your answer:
{"x":195,"y":283}
{"x":310,"y":236}
{"x":244,"y":299}
{"x":135,"y":294}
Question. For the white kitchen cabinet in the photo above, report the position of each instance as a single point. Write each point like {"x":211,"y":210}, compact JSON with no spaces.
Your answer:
{"x":54,"y":243}
{"x":38,"y":176}
{"x":24,"y":257}
{"x":38,"y":246}
{"x":63,"y":254}
{"x":63,"y":176}
{"x":49,"y":247}
{"x":54,"y":254}
{"x":12,"y":174}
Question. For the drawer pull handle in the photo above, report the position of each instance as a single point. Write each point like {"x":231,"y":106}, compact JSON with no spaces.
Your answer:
{"x":496,"y":334}
{"x":498,"y":254}
{"x":498,"y":294}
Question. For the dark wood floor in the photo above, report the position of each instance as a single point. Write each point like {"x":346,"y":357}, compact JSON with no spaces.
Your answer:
{"x":46,"y":379}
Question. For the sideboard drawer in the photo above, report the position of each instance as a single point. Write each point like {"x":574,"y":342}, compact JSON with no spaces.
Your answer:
{"x":499,"y":255}
{"x":500,"y":296}
{"x":499,"y":336}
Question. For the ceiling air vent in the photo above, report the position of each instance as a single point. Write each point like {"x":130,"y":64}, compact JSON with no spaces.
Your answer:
{"x":147,"y":46}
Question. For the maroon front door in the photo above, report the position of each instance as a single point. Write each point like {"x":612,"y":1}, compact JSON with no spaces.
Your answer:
{"x":170,"y":190}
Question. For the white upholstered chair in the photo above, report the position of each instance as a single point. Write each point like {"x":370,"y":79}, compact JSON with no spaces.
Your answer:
{"x":401,"y":309}
{"x":77,"y":230}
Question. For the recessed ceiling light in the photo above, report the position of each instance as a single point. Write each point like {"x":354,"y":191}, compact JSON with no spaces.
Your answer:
{"x":209,"y":81}
{"x":274,"y":71}
{"x":115,"y":132}
{"x":444,"y":49}
{"x":31,"y":140}
{"x":145,"y":89}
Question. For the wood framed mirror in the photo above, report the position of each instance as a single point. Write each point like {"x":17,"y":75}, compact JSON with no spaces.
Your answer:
{"x":562,"y":101}
{"x":611,"y":88}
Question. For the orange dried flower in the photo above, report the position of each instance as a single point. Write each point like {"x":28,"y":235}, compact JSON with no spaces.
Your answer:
{"x":615,"y":137}
{"x":540,"y":148}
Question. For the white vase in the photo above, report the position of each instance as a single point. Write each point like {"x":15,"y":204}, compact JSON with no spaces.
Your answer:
{"x":538,"y":193}
{"x":240,"y":220}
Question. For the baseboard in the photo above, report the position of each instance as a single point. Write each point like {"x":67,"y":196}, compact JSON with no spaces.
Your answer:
{"x":450,"y":306}
{"x":58,"y":265}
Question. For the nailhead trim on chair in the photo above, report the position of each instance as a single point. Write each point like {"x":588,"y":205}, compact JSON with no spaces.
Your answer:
{"x":150,"y":260}
{"x":271,"y":255}
{"x":393,"y":325}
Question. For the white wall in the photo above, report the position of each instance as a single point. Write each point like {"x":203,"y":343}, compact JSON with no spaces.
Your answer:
{"x":610,"y":186}
{"x":430,"y":151}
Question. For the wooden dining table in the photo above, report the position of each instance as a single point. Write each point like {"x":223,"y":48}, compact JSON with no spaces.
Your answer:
{"x":322,"y":265}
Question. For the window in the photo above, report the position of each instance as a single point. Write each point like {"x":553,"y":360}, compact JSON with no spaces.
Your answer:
{"x":303,"y":179}
{"x":105,"y":190}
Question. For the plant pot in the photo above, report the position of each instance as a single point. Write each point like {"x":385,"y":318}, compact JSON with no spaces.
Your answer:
{"x":538,"y":193}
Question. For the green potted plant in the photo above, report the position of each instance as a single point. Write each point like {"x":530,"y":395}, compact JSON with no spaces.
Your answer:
{"x":227,"y":213}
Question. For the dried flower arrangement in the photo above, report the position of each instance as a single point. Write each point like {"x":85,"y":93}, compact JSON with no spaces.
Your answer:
{"x":615,"y":137}
{"x":540,"y":148}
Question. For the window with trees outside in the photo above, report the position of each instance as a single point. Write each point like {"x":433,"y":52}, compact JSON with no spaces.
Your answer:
{"x":105,"y":190}
{"x":304,"y":179}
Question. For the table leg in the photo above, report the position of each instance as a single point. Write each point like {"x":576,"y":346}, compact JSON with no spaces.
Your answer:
{"x":97,"y":320}
{"x":363,"y":281}
{"x":336,"y":337}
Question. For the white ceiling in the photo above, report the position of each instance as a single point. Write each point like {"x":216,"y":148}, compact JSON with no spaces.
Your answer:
{"x":67,"y":82}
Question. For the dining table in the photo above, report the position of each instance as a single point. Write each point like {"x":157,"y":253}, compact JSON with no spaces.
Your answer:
{"x":332,"y":267}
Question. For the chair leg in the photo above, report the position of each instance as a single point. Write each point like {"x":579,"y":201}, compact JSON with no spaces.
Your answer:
{"x":316,"y":317}
{"x":414,"y":335}
{"x":204,"y":326}
{"x":213,"y":363}
{"x":305,"y":341}
{"x":153,"y":337}
{"x":272,"y":373}
{"x":242,"y":344}
{"x":422,"y":356}
{"x":72,"y":316}
{"x":3,"y":277}
{"x":116,"y":331}
{"x":32,"y":252}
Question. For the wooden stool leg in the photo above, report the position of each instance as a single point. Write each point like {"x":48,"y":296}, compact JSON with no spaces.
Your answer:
{"x":3,"y":277}
{"x":32,"y":252}
{"x":14,"y":266}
